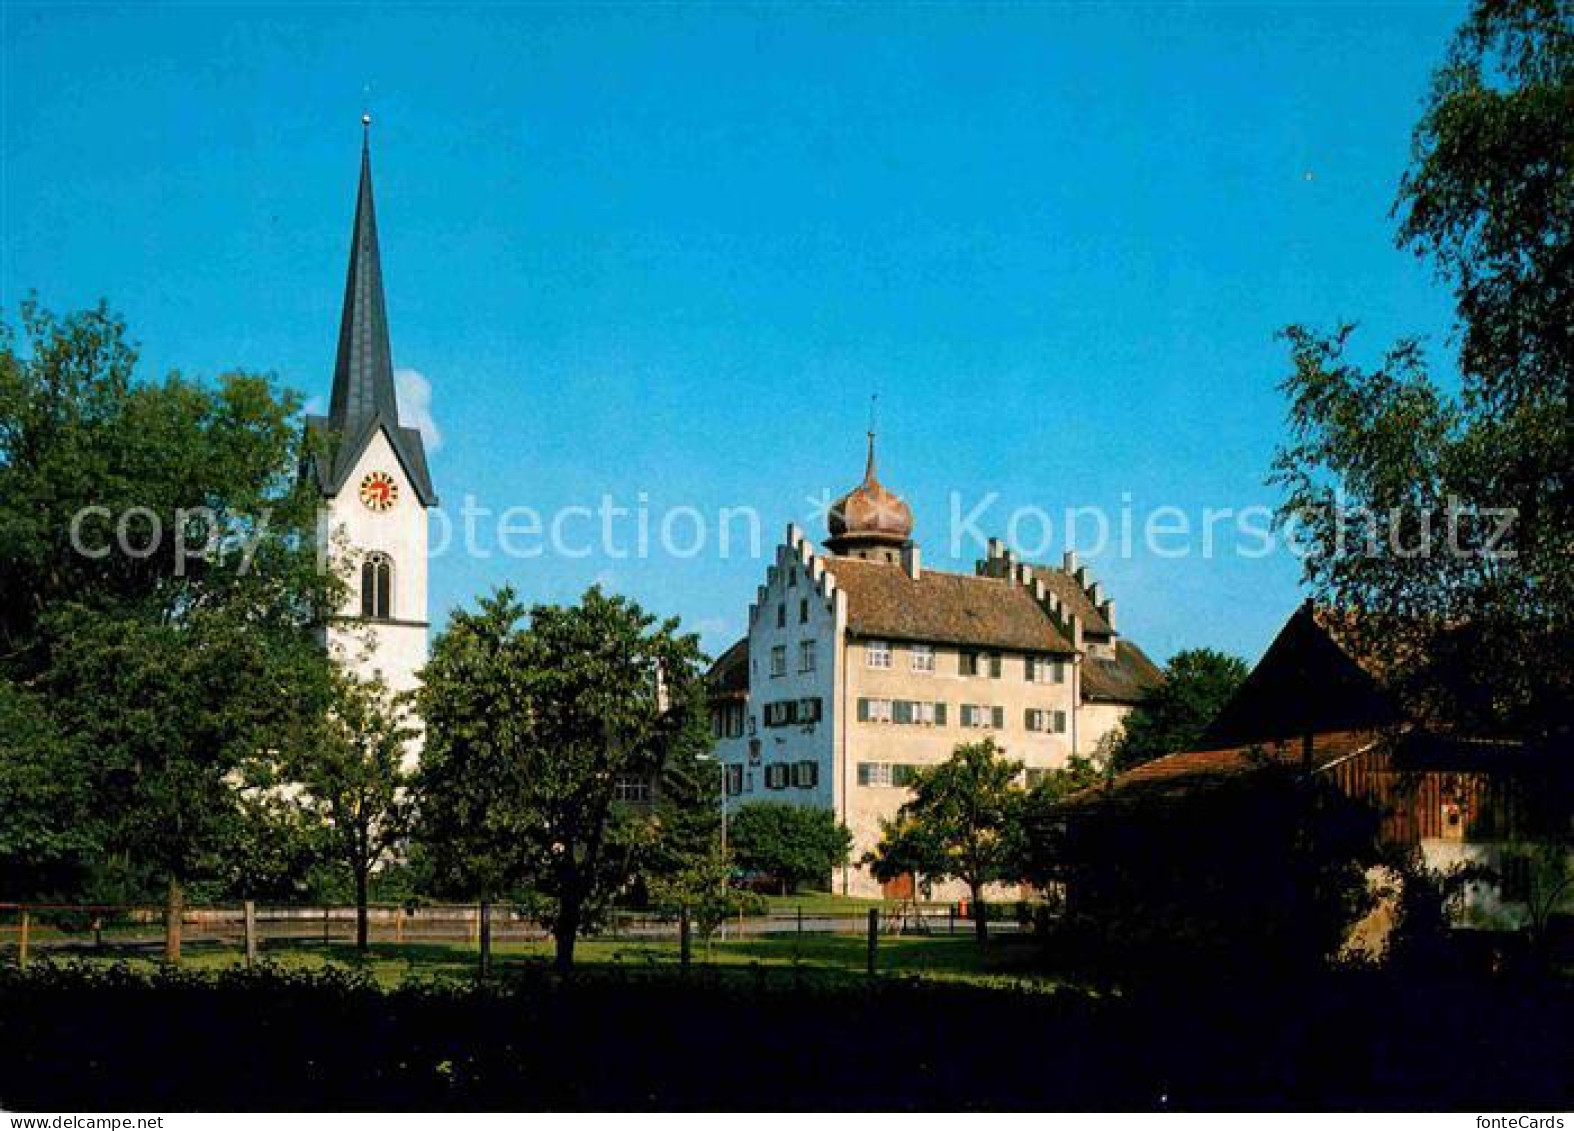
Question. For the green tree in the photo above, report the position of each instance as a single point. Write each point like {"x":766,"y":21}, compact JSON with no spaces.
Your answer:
{"x":177,"y":716}
{"x":1489,"y":201}
{"x":793,"y":844}
{"x":158,"y":585}
{"x":48,"y":823}
{"x":355,"y":779}
{"x":616,"y":698}
{"x":959,"y":824}
{"x":1036,"y":843}
{"x":1197,"y":683}
{"x":475,"y":701}
{"x":538,"y":739}
{"x":702,"y":886}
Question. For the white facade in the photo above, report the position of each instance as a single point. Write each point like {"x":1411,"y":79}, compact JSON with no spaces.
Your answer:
{"x":393,"y":645}
{"x":864,"y":710}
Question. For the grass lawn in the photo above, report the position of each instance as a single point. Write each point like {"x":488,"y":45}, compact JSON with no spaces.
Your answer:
{"x":952,"y":958}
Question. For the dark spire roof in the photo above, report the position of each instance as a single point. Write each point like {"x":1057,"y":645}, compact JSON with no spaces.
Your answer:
{"x":363,"y":375}
{"x":363,"y":401}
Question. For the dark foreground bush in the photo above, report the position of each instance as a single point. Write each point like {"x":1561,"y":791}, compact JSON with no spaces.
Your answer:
{"x":115,"y":1040}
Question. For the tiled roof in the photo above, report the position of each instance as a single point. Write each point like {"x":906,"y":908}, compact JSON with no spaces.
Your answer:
{"x":943,"y":608}
{"x":1306,"y":680}
{"x":728,"y":677}
{"x":1180,"y":774}
{"x":1129,"y":678}
{"x":1071,"y":594}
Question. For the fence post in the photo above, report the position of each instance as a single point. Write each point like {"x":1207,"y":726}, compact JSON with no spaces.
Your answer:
{"x":98,"y":932}
{"x":950,"y":919}
{"x":249,"y":912}
{"x":22,"y":940}
{"x":800,"y":920}
{"x":685,"y":944}
{"x":484,"y":937}
{"x":326,"y":911}
{"x":874,"y":935}
{"x":399,"y":924}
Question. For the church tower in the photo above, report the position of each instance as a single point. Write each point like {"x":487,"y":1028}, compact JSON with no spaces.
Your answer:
{"x":373,"y":476}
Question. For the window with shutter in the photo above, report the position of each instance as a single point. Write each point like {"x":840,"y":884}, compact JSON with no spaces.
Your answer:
{"x":999,"y":716}
{"x":994,"y":666}
{"x":875,"y":774}
{"x":1030,"y":669}
{"x":803,"y":610}
{"x":902,"y":711}
{"x":1060,"y":722}
{"x":939,"y":714}
{"x":967,"y":663}
{"x":863,"y":713}
{"x":781,"y":616}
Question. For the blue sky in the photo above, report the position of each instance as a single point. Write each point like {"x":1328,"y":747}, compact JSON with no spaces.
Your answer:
{"x":674,"y":249}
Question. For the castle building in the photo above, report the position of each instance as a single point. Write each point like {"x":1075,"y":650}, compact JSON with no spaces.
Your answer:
{"x":861,"y":665}
{"x":373,"y":476}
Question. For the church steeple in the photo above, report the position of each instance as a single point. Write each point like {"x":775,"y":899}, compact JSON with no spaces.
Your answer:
{"x":363,"y":403}
{"x":363,"y":384}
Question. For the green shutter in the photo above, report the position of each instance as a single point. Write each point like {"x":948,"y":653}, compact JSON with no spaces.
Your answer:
{"x":994,"y":666}
{"x":999,"y":714}
{"x":939,"y":714}
{"x":863,"y":717}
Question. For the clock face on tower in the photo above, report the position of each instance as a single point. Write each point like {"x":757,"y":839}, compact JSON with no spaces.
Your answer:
{"x":379,"y":491}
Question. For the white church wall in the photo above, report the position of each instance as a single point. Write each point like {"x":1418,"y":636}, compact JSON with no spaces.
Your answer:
{"x":397,"y":646}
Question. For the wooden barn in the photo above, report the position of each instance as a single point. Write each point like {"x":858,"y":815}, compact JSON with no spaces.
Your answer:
{"x":1313,"y":710}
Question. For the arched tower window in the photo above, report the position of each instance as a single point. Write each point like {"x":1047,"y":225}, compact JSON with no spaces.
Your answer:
{"x":377,"y":587}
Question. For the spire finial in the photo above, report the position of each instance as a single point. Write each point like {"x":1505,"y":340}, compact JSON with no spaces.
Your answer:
{"x":366,"y":131}
{"x":874,"y":402}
